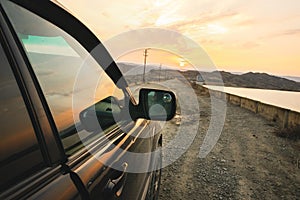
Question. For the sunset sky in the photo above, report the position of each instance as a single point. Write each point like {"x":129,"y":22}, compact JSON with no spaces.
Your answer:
{"x":238,"y":35}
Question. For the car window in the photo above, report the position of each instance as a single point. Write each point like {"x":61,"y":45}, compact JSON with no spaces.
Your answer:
{"x":57,"y":58}
{"x":20,"y":155}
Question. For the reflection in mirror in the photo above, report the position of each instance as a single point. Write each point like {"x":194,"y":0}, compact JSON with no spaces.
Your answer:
{"x":158,"y":104}
{"x":167,"y":98}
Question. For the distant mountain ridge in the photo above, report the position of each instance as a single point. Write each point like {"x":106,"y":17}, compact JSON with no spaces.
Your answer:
{"x":248,"y":80}
{"x":257,"y":80}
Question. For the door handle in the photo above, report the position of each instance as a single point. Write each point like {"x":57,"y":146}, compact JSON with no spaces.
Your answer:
{"x":117,"y":181}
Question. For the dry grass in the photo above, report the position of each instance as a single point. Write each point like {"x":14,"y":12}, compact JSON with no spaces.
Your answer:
{"x":290,"y":133}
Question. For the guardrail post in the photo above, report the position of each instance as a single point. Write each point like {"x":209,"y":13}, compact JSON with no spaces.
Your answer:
{"x":286,"y":119}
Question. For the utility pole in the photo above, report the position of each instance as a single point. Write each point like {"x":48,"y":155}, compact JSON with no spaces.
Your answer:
{"x":165,"y":73}
{"x":159,"y":73}
{"x":145,"y":62}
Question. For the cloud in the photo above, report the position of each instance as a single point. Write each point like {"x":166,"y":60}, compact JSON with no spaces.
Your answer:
{"x":250,"y":45}
{"x":289,"y":32}
{"x":44,"y":72}
{"x":212,"y":17}
{"x":246,"y":22}
{"x":105,"y":14}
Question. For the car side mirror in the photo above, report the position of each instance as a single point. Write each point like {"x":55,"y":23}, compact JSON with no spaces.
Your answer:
{"x":154,"y":104}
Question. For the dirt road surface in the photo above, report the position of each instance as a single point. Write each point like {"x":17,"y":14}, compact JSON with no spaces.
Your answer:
{"x":248,"y":162}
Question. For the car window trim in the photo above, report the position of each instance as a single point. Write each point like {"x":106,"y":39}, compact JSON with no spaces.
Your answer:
{"x":31,"y":93}
{"x":61,"y":162}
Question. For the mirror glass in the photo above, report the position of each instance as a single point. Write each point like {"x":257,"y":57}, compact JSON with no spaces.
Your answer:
{"x":160,"y":104}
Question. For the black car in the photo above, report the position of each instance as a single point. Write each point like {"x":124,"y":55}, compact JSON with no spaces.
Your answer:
{"x":54,"y":146}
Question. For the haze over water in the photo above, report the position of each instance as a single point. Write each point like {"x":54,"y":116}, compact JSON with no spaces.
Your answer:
{"x":283,"y":99}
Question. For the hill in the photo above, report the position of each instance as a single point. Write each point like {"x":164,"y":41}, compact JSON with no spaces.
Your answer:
{"x":133,"y":73}
{"x":255,"y":80}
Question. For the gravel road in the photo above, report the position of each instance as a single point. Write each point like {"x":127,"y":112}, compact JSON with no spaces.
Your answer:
{"x":248,"y":162}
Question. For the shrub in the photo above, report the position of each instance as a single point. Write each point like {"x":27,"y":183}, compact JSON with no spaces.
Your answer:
{"x":290,"y":133}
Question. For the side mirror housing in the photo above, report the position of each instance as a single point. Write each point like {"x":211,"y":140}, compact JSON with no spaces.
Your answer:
{"x":154,"y":104}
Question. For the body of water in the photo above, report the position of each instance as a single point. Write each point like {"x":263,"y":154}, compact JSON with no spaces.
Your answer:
{"x":293,"y":78}
{"x":283,"y":99}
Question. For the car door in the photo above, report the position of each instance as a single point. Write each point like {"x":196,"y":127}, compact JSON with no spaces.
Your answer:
{"x":55,"y":51}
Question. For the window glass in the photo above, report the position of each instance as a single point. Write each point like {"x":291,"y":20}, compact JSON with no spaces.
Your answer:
{"x":56,"y":58}
{"x":20,"y":155}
